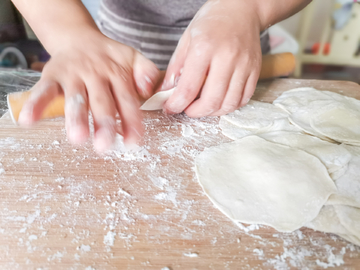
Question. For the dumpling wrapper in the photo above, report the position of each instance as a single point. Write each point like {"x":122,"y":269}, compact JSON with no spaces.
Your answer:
{"x":255,"y":181}
{"x":324,"y":114}
{"x":232,"y":131}
{"x":157,"y":101}
{"x":255,"y":118}
{"x":334,"y":157}
{"x":348,"y":185}
{"x":340,"y":122}
{"x":328,"y":221}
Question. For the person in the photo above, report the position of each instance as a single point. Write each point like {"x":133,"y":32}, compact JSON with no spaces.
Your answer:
{"x":214,"y":47}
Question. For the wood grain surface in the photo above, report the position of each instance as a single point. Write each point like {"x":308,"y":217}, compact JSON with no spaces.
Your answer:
{"x":65,"y":207}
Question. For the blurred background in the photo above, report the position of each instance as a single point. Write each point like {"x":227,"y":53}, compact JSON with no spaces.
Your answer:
{"x":325,"y":37}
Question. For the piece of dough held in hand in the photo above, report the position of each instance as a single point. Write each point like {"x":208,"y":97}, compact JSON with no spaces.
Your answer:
{"x":157,"y":101}
{"x":255,"y":181}
{"x":323,"y":113}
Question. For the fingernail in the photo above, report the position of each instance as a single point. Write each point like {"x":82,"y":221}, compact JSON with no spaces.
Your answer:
{"x":176,"y":106}
{"x":171,"y":83}
{"x":77,"y":135}
{"x":177,"y":79}
{"x":142,"y":88}
{"x":25,"y":116}
{"x":163,"y":85}
{"x":105,"y":136}
{"x":148,"y":79}
{"x":172,"y":80}
{"x":104,"y":139}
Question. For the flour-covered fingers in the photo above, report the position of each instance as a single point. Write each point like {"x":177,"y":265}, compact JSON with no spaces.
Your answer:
{"x":76,"y":112}
{"x":214,"y":89}
{"x":41,"y":95}
{"x":103,"y":111}
{"x":127,"y":104}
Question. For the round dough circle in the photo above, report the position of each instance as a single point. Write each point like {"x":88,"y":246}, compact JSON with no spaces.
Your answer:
{"x":338,"y":122}
{"x":252,"y":180}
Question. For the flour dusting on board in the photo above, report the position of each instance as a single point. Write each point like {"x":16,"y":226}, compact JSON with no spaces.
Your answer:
{"x":97,"y":208}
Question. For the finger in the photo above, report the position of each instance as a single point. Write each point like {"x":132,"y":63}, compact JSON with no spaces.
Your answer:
{"x":127,"y":104}
{"x":195,"y":70}
{"x":146,"y":75}
{"x":176,"y":64}
{"x":76,"y":112}
{"x":234,"y":94}
{"x":249,"y":89}
{"x":103,"y":110}
{"x":214,"y":90}
{"x":42,"y":94}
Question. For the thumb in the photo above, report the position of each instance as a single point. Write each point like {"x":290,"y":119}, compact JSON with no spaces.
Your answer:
{"x":176,"y":63}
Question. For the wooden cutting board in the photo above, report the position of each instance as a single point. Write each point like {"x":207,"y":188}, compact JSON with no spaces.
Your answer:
{"x":64,"y":207}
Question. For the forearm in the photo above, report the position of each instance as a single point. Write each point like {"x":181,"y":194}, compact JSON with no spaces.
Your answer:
{"x":57,"y":23}
{"x":274,"y":11}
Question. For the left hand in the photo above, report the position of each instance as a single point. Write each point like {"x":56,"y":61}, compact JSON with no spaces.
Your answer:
{"x":218,"y":59}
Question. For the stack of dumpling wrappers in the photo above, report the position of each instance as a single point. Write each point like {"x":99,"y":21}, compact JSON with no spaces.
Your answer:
{"x":294,"y":163}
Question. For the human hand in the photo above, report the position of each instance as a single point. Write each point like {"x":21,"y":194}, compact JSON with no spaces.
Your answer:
{"x":97,"y":74}
{"x":218,"y":60}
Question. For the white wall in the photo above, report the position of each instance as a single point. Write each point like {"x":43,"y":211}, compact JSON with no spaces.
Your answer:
{"x":322,"y":11}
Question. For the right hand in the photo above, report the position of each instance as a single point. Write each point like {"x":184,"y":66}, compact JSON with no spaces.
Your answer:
{"x":99,"y":74}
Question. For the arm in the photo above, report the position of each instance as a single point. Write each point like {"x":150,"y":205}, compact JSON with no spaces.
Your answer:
{"x":57,"y":23}
{"x":218,"y":59}
{"x":274,"y":11}
{"x":91,"y":70}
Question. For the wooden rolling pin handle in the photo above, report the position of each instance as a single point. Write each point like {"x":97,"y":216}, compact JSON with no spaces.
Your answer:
{"x":273,"y":65}
{"x":277,"y":65}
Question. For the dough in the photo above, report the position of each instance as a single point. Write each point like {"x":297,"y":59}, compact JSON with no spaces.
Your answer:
{"x":157,"y":101}
{"x":255,"y":181}
{"x":323,"y":114}
{"x":254,"y":118}
{"x":232,"y":131}
{"x":348,"y":184}
{"x":334,"y":157}
{"x":350,"y":218}
{"x":295,"y":99}
{"x":328,"y":221}
{"x":340,"y":122}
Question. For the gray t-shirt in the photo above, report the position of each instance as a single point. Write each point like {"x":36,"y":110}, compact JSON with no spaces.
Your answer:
{"x":153,"y":27}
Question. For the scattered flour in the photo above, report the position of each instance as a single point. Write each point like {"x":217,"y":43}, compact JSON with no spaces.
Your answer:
{"x":85,"y":248}
{"x":187,"y":131}
{"x":332,"y":260}
{"x":191,"y":254}
{"x":109,"y":238}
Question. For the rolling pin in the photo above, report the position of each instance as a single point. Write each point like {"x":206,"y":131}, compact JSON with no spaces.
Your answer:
{"x":273,"y":65}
